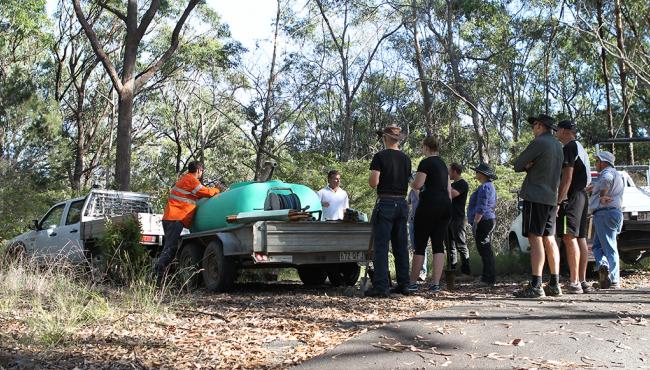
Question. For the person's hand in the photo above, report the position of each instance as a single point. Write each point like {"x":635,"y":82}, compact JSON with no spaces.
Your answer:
{"x":589,"y":188}
{"x":529,"y":165}
{"x":325,"y":204}
{"x":605,"y":200}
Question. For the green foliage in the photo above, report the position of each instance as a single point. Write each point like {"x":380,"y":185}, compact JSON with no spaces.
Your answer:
{"x":123,"y":258}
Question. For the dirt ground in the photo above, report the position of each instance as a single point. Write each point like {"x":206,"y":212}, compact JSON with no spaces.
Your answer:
{"x":272,"y":325}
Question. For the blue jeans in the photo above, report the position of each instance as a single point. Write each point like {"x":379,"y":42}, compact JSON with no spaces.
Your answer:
{"x":389,"y":225}
{"x":607,"y":224}
{"x":411,"y":225}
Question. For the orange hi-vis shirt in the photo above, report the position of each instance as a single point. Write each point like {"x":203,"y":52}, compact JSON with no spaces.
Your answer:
{"x":181,"y":202}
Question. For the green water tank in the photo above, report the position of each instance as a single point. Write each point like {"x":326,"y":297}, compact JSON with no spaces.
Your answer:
{"x":247,"y":196}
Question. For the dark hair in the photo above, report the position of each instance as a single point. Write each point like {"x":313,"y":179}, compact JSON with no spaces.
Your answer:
{"x":332,"y":173}
{"x":456,"y":167}
{"x":431,"y":143}
{"x":194,"y":166}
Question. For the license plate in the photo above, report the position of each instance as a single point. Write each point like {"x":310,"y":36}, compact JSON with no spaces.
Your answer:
{"x":351,"y":256}
{"x":643,"y":216}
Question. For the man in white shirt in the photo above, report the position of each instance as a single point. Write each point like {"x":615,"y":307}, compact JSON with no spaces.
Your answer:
{"x":333,"y":199}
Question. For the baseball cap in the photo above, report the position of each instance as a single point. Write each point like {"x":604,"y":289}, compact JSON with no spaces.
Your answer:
{"x":567,"y":125}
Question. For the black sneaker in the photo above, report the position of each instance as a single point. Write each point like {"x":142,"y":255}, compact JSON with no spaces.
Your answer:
{"x":376,"y":293}
{"x":553,"y":290}
{"x":402,"y":289}
{"x":586,"y":288}
{"x":530,"y":292}
{"x":603,"y":277}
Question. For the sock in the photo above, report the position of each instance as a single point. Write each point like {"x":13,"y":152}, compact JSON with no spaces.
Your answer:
{"x":536,"y":281}
{"x":555,"y":279}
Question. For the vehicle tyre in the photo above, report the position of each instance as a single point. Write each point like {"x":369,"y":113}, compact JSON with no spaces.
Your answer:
{"x":15,"y":252}
{"x":312,"y":274}
{"x":631,"y":257}
{"x":219,"y":271}
{"x":189,"y":266}
{"x":345,"y":274}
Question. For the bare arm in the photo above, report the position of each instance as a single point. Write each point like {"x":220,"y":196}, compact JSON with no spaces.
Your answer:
{"x":451,"y":190}
{"x":567,"y":176}
{"x":373,"y":180}
{"x":420,"y":178}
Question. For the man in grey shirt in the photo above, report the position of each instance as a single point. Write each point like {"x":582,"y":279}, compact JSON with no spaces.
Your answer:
{"x":605,"y":206}
{"x":542,"y":161}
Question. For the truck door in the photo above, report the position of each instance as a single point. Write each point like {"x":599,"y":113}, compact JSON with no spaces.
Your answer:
{"x":46,"y":240}
{"x":69,"y":241}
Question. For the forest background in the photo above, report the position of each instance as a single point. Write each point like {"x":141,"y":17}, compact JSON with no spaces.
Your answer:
{"x":127,"y":97}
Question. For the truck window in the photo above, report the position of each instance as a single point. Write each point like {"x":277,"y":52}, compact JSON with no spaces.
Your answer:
{"x":74,"y":212}
{"x":53,"y":217}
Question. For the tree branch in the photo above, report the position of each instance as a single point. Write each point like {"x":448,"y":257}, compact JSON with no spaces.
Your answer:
{"x":97,"y":48}
{"x":143,"y":77}
{"x":116,"y":12}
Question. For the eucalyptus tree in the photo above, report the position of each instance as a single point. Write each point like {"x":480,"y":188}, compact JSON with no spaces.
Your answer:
{"x":353,"y":31}
{"x":126,"y":80}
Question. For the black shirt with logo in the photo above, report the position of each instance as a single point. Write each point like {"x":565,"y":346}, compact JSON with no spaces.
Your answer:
{"x":573,"y":157}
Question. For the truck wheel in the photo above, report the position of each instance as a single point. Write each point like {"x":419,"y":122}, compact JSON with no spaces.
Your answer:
{"x":14,"y":253}
{"x":189,"y":266}
{"x":312,"y":274}
{"x":344,"y":274}
{"x":219,"y":271}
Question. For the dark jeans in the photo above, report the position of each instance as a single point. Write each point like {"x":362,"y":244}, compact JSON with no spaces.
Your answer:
{"x":172,"y":231}
{"x":456,"y":243}
{"x":389,"y":225}
{"x":483,"y":237}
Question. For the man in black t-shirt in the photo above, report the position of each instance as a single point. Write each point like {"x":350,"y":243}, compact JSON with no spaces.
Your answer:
{"x":573,"y":204}
{"x":456,"y":242}
{"x":390,"y":170}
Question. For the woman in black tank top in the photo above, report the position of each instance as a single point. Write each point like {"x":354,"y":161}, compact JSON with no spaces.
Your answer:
{"x":433,"y":213}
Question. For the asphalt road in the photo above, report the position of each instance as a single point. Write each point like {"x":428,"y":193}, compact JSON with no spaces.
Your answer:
{"x":606,"y":329}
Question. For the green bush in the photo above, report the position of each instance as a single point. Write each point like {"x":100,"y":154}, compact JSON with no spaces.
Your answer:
{"x":121,"y":256}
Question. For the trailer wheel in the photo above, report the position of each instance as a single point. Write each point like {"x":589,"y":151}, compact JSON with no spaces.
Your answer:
{"x":189,"y":266}
{"x":219,"y":271}
{"x":345,"y":274}
{"x":312,"y":274}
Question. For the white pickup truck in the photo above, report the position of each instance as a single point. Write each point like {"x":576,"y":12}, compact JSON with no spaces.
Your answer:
{"x":633,"y":241}
{"x":70,"y":228}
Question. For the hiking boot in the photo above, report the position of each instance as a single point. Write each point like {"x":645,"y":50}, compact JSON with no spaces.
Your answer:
{"x":553,"y":290}
{"x":530,"y":292}
{"x":603,"y":277}
{"x":435,"y":288}
{"x":376,"y":293}
{"x":403,"y":289}
{"x":586,"y":288}
{"x":574,"y":288}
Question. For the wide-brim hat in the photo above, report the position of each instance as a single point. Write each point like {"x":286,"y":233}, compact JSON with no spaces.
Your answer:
{"x":547,"y":120}
{"x":485,"y":169}
{"x":392,"y":131}
{"x":567,"y":125}
{"x":606,"y":156}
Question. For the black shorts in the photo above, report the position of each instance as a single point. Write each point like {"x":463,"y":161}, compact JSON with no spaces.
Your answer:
{"x":538,"y":219}
{"x":431,"y":223}
{"x":572,"y":215}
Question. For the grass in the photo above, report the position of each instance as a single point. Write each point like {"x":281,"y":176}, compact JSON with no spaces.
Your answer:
{"x":52,"y":301}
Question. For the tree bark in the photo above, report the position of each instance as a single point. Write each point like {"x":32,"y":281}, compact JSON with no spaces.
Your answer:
{"x":605,"y":70}
{"x":620,"y":42}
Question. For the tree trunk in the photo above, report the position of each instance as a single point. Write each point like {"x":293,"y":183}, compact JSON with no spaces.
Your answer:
{"x":123,"y":140}
{"x":605,"y":70}
{"x":80,"y":147}
{"x":620,"y":42}
{"x":429,"y":118}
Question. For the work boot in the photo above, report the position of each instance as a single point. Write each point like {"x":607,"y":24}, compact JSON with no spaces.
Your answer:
{"x":403,"y":289}
{"x":530,"y":292}
{"x":376,"y":293}
{"x":603,"y":277}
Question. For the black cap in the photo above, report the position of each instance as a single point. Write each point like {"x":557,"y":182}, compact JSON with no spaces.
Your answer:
{"x":567,"y":124}
{"x":485,"y":169}
{"x":548,"y":121}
